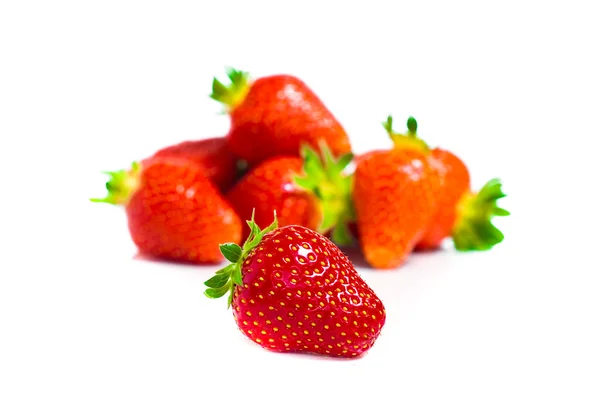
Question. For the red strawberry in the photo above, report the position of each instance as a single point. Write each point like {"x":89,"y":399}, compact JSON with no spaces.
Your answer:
{"x":270,"y":186}
{"x":395,"y":193}
{"x":463,"y":214}
{"x":212,"y":155}
{"x":293,"y":290}
{"x":274,"y":115}
{"x":173,"y":211}
{"x":312,"y":191}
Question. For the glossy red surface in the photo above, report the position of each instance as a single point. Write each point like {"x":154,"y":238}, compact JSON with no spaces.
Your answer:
{"x":300,"y":293}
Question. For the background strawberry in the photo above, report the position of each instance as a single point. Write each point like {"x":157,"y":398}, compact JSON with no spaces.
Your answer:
{"x":312,"y":191}
{"x":462,"y":214}
{"x":395,"y":194}
{"x":270,"y":187}
{"x":173,"y":211}
{"x":293,"y":290}
{"x":274,"y":116}
{"x":212,"y":155}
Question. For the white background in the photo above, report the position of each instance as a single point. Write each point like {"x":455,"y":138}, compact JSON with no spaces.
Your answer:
{"x":512,"y":87}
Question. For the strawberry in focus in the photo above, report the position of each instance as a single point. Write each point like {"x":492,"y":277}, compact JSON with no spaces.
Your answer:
{"x":173,"y":210}
{"x":395,"y":197}
{"x":293,"y":290}
{"x":312,"y":191}
{"x":462,"y":214}
{"x":274,"y":115}
{"x":211,"y":154}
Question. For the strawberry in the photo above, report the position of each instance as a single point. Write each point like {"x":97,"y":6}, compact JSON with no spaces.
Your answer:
{"x":312,"y":191}
{"x":173,"y":211}
{"x":462,"y":214}
{"x":270,"y":186}
{"x":212,"y":155}
{"x":274,"y":115}
{"x":395,"y":197}
{"x":293,"y":290}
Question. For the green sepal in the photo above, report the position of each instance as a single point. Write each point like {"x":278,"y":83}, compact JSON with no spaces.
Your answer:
{"x":231,"y":94}
{"x":121,"y":185}
{"x":236,"y":277}
{"x":217,"y":281}
{"x":411,"y":124}
{"x":226,"y":269}
{"x":231,"y":251}
{"x":473,"y":230}
{"x":216,"y":292}
{"x":226,"y":279}
{"x":324,"y":176}
{"x":408,"y":139}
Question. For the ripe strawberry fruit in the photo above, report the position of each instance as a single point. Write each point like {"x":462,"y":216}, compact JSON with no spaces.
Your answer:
{"x":293,"y":290}
{"x":173,"y":211}
{"x":274,"y":115}
{"x":395,"y":193}
{"x":312,"y":191}
{"x":212,"y":155}
{"x":462,"y":214}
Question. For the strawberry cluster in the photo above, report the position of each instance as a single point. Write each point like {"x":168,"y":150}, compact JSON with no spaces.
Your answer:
{"x":287,"y":164}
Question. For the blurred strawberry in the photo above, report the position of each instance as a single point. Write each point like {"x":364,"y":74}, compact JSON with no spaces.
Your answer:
{"x":395,"y":197}
{"x":274,"y":115}
{"x":212,"y":155}
{"x":312,"y":191}
{"x":462,"y":214}
{"x":173,"y":210}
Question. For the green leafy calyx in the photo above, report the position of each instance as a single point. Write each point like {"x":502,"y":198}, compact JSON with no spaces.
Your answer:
{"x":408,"y":139}
{"x":474,"y":230}
{"x":233,"y":93}
{"x":225,"y":280}
{"x":121,"y":185}
{"x":325,"y":177}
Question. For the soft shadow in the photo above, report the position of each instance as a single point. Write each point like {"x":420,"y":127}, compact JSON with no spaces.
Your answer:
{"x":317,"y":357}
{"x":301,"y":354}
{"x":428,"y":251}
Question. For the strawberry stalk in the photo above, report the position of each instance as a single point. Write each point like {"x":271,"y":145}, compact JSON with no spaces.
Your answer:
{"x":225,"y":280}
{"x":408,"y":139}
{"x":233,"y":93}
{"x":121,"y":185}
{"x":473,"y":230}
{"x":324,"y":177}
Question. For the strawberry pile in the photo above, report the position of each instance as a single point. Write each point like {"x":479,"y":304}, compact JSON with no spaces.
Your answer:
{"x":287,"y":164}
